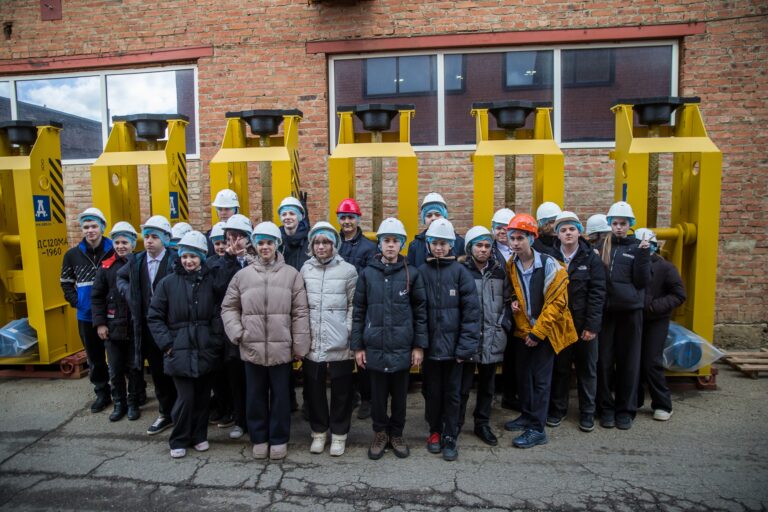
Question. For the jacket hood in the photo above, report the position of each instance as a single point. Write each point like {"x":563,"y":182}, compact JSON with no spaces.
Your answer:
{"x":298,"y":237}
{"x":378,"y":264}
{"x":272,"y":267}
{"x":440,"y":262}
{"x":317,"y":263}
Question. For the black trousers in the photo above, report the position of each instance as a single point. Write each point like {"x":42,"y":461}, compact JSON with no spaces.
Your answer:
{"x":267,"y":402}
{"x":235,"y":373}
{"x":98,"y":372}
{"x":651,"y":365}
{"x":618,"y":363}
{"x":486,"y":382}
{"x":363,"y":384}
{"x":442,"y":393}
{"x":584,"y":355}
{"x":165,"y":390}
{"x":534,"y":381}
{"x":222,"y":398}
{"x":121,"y":354}
{"x":383,"y":387}
{"x":509,"y":379}
{"x":190,"y":412}
{"x":338,"y":416}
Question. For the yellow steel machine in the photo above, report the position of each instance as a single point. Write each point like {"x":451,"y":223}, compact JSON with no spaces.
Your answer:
{"x":695,"y":215}
{"x":376,"y":144}
{"x":136,"y":140}
{"x":278,"y":158}
{"x":513,"y":140}
{"x":33,"y":239}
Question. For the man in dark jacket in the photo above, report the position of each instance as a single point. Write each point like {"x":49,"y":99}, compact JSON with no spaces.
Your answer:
{"x":78,"y":270}
{"x":586,"y":297}
{"x":433,"y":207}
{"x":137,"y":282}
{"x":389,"y":334}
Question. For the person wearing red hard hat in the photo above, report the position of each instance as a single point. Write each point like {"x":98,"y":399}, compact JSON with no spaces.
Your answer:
{"x":543,"y":326}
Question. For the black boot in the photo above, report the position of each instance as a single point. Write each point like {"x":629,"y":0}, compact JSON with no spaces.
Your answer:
{"x":119,"y":411}
{"x":101,"y":403}
{"x":134,"y":412}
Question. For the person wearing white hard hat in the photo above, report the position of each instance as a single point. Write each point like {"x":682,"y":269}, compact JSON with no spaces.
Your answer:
{"x":226,"y":204}
{"x":185,"y":321}
{"x":432,"y":207}
{"x":546,"y":214}
{"x":112,"y":320}
{"x":330,"y":283}
{"x":597,"y":229}
{"x":663,"y":294}
{"x":294,"y":230}
{"x":78,"y":270}
{"x":266,"y":315}
{"x":389,"y":335}
{"x":137,"y":281}
{"x":453,"y":314}
{"x":586,"y":298}
{"x":627,"y":261}
{"x":499,"y":229}
{"x":494,"y":291}
{"x":219,"y":241}
{"x":177,"y":232}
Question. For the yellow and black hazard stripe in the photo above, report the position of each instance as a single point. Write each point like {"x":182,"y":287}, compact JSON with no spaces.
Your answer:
{"x":57,"y":191}
{"x":295,"y":182}
{"x":183,"y":195}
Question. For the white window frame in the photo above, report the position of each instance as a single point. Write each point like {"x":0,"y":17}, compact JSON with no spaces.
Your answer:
{"x":556,"y":97}
{"x":102,"y":76}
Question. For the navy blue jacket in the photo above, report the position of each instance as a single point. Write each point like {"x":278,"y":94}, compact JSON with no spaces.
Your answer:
{"x":418,"y":253}
{"x":629,"y":272}
{"x":78,"y":271}
{"x":586,"y":287}
{"x":358,"y":251}
{"x":107,"y":305}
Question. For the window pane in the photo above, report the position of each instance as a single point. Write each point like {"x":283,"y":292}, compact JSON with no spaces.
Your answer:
{"x":416,"y":74}
{"x":454,"y":73}
{"x":528,"y":69}
{"x":163,"y":92}
{"x":5,"y":101}
{"x":594,"y":79}
{"x":381,"y":76}
{"x":74,"y":102}
{"x":484,"y":80}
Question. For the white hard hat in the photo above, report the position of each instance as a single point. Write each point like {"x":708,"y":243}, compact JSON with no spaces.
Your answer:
{"x":597,"y":223}
{"x":291,"y":201}
{"x":502,"y":216}
{"x":267,"y":229}
{"x":328,"y":227}
{"x":226,"y":198}
{"x":473,"y":234}
{"x":621,"y":209}
{"x":441,"y":228}
{"x":566,"y":216}
{"x":391,"y":226}
{"x":158,"y":222}
{"x":239,"y":222}
{"x":92,"y":212}
{"x":218,"y":229}
{"x":179,"y":230}
{"x":123,"y":227}
{"x":433,"y":197}
{"x":646,"y":234}
{"x":194,"y":240}
{"x":547,"y":210}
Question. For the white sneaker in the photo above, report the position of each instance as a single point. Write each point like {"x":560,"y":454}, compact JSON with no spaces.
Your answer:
{"x":260,"y":450}
{"x":318,"y":442}
{"x":661,"y":415}
{"x":338,"y":444}
{"x":202,"y":447}
{"x":178,"y":453}
{"x":236,"y":433}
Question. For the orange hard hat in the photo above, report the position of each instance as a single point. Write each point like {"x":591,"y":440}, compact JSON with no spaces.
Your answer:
{"x":349,"y":205}
{"x":524,"y":222}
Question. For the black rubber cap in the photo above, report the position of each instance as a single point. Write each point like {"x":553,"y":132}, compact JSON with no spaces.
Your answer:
{"x":23,"y":133}
{"x":150,"y":126}
{"x":656,"y":110}
{"x":376,"y":117}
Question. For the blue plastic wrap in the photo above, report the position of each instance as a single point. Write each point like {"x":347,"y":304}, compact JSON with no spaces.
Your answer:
{"x":686,"y":351}
{"x":17,"y":338}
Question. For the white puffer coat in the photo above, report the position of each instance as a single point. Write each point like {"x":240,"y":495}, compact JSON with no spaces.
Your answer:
{"x":330,"y":292}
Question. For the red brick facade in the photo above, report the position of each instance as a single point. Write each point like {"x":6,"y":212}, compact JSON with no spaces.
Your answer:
{"x":260,"y":60}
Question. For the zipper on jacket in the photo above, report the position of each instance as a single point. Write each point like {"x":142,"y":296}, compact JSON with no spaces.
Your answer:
{"x":266,"y":315}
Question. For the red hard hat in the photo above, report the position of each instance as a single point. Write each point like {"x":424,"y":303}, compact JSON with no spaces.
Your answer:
{"x":524,"y":222}
{"x":349,"y":205}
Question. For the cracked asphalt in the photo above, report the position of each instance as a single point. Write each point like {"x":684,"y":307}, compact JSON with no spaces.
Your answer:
{"x":712,"y":455}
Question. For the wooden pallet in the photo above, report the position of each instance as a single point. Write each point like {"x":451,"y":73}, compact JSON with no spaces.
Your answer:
{"x":748,"y":363}
{"x":70,"y":367}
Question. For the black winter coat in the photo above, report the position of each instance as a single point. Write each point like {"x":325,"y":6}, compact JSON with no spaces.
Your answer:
{"x":418,"y":253}
{"x":665,"y":292}
{"x":107,"y":305}
{"x":545,"y":244}
{"x":629,"y":272}
{"x":294,"y":247}
{"x":389,"y":318}
{"x":358,"y":251}
{"x":185,"y":316}
{"x":453,"y":310}
{"x":586,"y":287}
{"x":225,"y":269}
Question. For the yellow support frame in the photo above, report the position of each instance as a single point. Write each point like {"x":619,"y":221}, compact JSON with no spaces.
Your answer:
{"x":33,"y":240}
{"x":351,"y":145}
{"x":548,"y":162}
{"x":692,"y":239}
{"x":229,"y":167}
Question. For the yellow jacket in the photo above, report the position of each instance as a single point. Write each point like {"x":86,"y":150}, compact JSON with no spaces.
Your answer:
{"x":555,"y":322}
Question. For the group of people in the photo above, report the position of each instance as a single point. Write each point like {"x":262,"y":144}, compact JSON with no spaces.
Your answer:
{"x":224,"y":315}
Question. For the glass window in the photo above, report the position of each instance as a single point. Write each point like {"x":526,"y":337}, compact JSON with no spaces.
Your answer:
{"x":587,"y":67}
{"x":73,"y":102}
{"x":5,"y":101}
{"x":531,"y":70}
{"x":163,"y":92}
{"x":381,"y":77}
{"x":400,"y":76}
{"x":455,"y":73}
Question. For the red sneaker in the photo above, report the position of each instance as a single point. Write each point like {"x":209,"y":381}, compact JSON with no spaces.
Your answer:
{"x":434,"y":444}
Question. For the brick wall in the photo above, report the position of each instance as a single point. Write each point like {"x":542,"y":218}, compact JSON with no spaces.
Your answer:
{"x":260,"y":61}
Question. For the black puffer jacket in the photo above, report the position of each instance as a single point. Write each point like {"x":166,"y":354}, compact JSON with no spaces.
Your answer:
{"x":545,"y":244}
{"x":294,"y":247}
{"x":389,"y":318}
{"x":586,"y":287}
{"x":358,"y":251}
{"x":629,"y":272}
{"x":107,"y":305}
{"x":225,"y":267}
{"x":666,"y":290}
{"x":418,"y":253}
{"x":185,"y":315}
{"x":453,"y":310}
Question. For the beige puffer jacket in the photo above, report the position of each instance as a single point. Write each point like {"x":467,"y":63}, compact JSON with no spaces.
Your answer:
{"x":330,"y":292}
{"x":265,"y":312}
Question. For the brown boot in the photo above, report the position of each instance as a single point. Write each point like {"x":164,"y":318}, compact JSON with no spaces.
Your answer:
{"x":399,"y":447}
{"x":379,"y":444}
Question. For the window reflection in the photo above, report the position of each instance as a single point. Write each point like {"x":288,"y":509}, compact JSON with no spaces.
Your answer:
{"x":5,"y":101}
